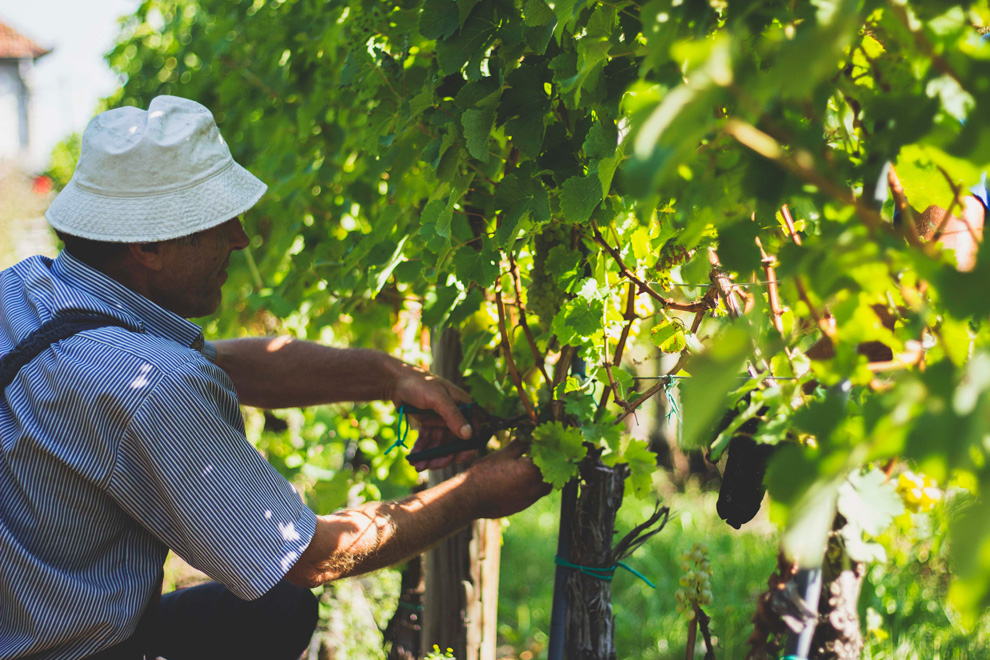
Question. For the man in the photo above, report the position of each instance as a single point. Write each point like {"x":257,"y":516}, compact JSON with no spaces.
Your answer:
{"x":120,"y":442}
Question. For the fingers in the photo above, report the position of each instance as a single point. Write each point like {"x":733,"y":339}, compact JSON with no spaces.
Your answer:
{"x":432,"y":434}
{"x":446,"y":407}
{"x":425,"y":390}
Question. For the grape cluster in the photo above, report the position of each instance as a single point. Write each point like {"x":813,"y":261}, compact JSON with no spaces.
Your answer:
{"x":672,"y":254}
{"x":919,"y":492}
{"x":543,"y":296}
{"x":696,"y":582}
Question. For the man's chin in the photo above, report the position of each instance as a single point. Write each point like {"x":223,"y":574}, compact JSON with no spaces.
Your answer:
{"x":204,"y":309}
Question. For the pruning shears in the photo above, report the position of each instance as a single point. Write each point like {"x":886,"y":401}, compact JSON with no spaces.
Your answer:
{"x":485,"y":425}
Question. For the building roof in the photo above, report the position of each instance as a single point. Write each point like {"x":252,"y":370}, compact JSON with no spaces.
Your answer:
{"x":14,"y":45}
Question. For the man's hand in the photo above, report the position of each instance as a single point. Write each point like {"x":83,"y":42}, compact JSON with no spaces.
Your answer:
{"x":507,"y":482}
{"x":422,"y":389}
{"x":378,"y":534}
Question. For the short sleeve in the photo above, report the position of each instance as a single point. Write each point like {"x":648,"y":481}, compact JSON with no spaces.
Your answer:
{"x":186,"y":472}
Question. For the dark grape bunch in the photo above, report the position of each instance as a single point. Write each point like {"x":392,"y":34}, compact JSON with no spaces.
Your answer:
{"x":742,"y":490}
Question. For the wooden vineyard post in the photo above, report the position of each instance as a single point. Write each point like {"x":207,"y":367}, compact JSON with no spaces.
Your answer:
{"x":462,"y":571}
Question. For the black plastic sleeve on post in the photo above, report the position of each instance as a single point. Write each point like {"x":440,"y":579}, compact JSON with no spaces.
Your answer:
{"x":558,"y":612}
{"x":809,"y":584}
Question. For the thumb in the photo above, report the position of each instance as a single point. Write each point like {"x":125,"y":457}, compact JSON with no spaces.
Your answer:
{"x":453,"y":416}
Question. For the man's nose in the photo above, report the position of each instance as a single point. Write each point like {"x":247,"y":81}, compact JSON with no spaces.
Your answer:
{"x":238,"y":238}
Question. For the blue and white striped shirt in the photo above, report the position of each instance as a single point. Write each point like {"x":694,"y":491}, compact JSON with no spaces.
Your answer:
{"x":115,"y":446}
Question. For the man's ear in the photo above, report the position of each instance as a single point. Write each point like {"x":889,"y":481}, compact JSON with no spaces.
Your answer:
{"x":148,"y":255}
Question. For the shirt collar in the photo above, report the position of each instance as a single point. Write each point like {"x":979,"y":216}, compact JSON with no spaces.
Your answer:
{"x":121,"y":301}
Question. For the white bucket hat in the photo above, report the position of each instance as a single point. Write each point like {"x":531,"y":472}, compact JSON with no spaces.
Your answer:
{"x":154,"y":175}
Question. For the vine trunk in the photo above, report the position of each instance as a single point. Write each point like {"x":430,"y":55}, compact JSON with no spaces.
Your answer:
{"x":590,"y":622}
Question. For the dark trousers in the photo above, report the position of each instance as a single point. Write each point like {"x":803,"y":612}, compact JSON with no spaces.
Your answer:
{"x":208,"y":622}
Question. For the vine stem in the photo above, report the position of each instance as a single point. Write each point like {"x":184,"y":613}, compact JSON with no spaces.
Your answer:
{"x":643,"y":286}
{"x":507,"y":351}
{"x":903,"y":208}
{"x":769,"y":274}
{"x":773,"y":295}
{"x":703,"y":622}
{"x":629,"y":316}
{"x":692,"y":637}
{"x":539,"y":357}
{"x":722,"y":284}
{"x":823,"y":325}
{"x":661,"y":383}
{"x":789,"y":221}
{"x":665,"y":381}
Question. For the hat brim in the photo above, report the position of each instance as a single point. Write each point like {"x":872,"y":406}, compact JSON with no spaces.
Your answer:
{"x":146,"y":218}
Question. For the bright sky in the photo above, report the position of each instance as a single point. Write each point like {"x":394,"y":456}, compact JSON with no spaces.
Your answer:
{"x":69,"y":81}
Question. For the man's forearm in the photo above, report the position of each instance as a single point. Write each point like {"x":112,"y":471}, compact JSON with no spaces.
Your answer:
{"x":282,"y":372}
{"x":381,"y":534}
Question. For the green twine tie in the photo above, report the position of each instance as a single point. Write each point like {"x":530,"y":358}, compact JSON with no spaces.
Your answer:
{"x":400,"y":432}
{"x":605,"y":574}
{"x":674,"y":410}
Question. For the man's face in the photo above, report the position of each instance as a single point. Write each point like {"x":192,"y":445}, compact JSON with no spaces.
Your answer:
{"x":195,"y":268}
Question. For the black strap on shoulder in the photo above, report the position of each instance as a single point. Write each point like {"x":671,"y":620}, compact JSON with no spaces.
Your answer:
{"x":55,"y":330}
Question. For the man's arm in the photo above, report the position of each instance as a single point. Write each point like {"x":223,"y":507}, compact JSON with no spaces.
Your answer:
{"x":280,"y":372}
{"x":380,"y":534}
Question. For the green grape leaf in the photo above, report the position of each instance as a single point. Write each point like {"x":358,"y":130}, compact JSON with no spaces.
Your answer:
{"x":379,"y":274}
{"x":468,"y":46}
{"x":714,"y":373}
{"x":419,"y":103}
{"x":566,"y":265}
{"x":642,"y":465}
{"x":869,"y":501}
{"x":556,"y":451}
{"x":808,"y":526}
{"x":478,"y":124}
{"x":608,"y":436}
{"x":538,"y":38}
{"x":860,"y":549}
{"x":579,"y":196}
{"x":437,"y":20}
{"x":668,"y":336}
{"x":519,"y":198}
{"x":536,"y":13}
{"x":601,"y":141}
{"x":592,"y":54}
{"x":918,"y":169}
{"x":577,"y":320}
{"x":606,"y":169}
{"x":524,"y":106}
{"x":464,"y":8}
{"x":477,"y":266}
{"x":438,"y":213}
{"x":330,"y":493}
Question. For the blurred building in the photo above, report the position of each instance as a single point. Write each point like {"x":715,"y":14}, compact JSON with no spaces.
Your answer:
{"x":17,"y":58}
